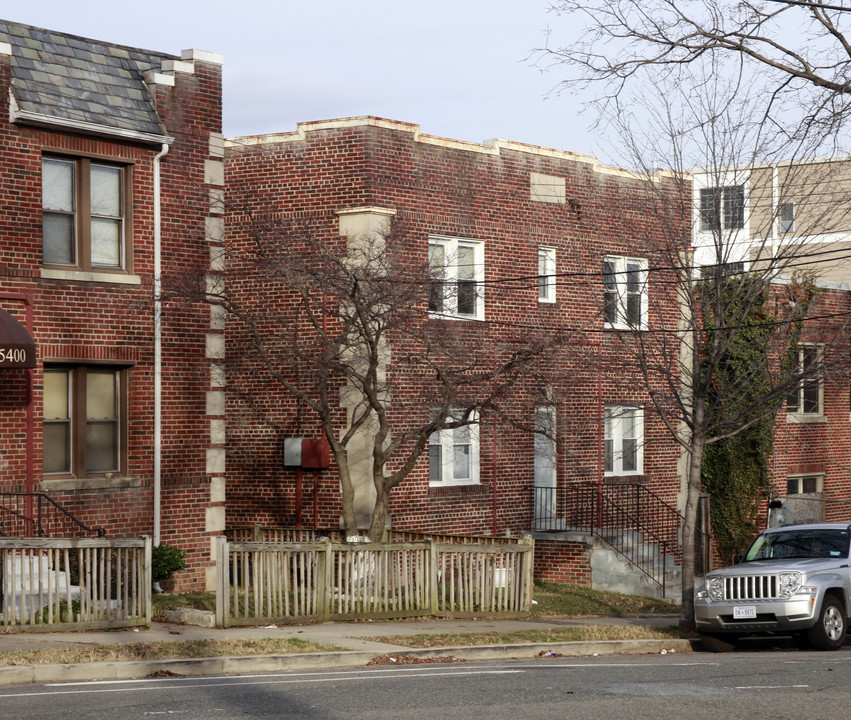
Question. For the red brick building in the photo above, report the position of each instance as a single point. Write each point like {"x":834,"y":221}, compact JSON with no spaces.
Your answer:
{"x":532,"y":232}
{"x":111,"y":169}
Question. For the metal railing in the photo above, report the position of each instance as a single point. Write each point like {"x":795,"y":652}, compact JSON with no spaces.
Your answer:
{"x":38,"y":515}
{"x":635,"y":522}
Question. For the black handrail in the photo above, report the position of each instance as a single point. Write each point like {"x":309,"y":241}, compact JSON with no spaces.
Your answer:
{"x":623,"y":516}
{"x":39,"y":515}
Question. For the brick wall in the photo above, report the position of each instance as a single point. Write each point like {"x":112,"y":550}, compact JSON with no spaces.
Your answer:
{"x":76,"y":319}
{"x":443,"y":187}
{"x":563,"y":562}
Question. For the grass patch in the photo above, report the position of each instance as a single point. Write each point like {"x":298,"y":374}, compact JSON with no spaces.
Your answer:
{"x":553,"y":635}
{"x":552,"y":600}
{"x":176,"y":650}
{"x":196,"y":601}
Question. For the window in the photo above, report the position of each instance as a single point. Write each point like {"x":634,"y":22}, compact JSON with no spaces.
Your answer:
{"x":625,"y":292}
{"x":83,"y":406}
{"x":456,"y":268}
{"x":727,"y":203}
{"x":546,"y":274}
{"x":786,"y":217}
{"x":84,"y":214}
{"x":804,"y":484}
{"x":807,"y":397}
{"x":623,"y":440}
{"x":454,"y":455}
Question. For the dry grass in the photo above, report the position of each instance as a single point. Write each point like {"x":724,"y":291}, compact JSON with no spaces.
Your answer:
{"x":553,"y":635}
{"x":176,"y":650}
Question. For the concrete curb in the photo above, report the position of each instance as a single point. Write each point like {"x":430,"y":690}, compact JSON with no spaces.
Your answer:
{"x":134,"y":670}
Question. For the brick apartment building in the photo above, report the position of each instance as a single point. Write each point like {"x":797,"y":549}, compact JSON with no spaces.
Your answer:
{"x":797,"y":211}
{"x":111,"y":168}
{"x":494,"y":217}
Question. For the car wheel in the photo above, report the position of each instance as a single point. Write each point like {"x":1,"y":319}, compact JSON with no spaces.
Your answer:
{"x":719,"y":643}
{"x":829,"y":631}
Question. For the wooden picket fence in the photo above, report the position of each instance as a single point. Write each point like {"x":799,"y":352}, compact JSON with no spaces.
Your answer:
{"x":281,"y":582}
{"x":74,"y":583}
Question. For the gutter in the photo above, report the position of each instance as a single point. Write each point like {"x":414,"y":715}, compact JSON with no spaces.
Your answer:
{"x":158,"y":344}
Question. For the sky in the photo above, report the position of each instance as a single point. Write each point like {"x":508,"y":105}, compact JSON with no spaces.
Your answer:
{"x":459,"y":69}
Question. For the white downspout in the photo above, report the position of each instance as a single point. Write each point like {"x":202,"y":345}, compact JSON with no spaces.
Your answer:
{"x":158,"y":344}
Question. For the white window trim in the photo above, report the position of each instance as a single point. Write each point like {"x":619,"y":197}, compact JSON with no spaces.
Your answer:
{"x":799,"y":479}
{"x":451,"y":245}
{"x":446,"y":439}
{"x":617,"y":439}
{"x":620,"y":263}
{"x":799,"y":416}
{"x":546,"y":274}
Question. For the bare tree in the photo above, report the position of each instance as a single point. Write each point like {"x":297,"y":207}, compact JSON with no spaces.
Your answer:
{"x":794,"y":55}
{"x":732,"y":262}
{"x":352,"y":331}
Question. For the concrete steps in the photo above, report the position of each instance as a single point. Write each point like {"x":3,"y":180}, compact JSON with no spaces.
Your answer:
{"x":611,"y":571}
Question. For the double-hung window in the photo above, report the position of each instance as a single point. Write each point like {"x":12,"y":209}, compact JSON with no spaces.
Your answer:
{"x":85,"y":209}
{"x":454,"y":455}
{"x":722,"y":203}
{"x":623,"y":440}
{"x":625,"y":293}
{"x":456,"y":271}
{"x":806,"y":399}
{"x":546,"y":274}
{"x":83,"y":409}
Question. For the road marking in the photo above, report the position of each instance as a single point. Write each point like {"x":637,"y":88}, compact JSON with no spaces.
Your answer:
{"x":768,"y":687}
{"x":95,"y":686}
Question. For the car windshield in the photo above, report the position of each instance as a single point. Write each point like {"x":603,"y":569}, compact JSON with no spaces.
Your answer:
{"x":809,"y":543}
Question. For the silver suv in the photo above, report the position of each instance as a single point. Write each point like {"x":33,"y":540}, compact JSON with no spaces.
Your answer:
{"x":792,"y":580}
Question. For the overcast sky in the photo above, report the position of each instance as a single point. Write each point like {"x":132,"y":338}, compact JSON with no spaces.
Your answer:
{"x":457,"y":68}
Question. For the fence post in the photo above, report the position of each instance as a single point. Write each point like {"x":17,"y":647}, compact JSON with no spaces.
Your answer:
{"x":433,"y":572}
{"x":257,"y":532}
{"x":147,"y":584}
{"x":222,"y":582}
{"x":528,"y":573}
{"x":324,"y":570}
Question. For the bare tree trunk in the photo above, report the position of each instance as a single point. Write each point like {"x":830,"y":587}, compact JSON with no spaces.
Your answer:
{"x":379,"y":514}
{"x":350,"y":522}
{"x":693,"y":487}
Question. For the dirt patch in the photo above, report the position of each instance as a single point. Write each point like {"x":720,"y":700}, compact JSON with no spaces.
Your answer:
{"x":408,"y":660}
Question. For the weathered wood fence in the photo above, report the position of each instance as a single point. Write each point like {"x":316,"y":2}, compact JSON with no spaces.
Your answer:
{"x":280,"y":581}
{"x":74,"y":583}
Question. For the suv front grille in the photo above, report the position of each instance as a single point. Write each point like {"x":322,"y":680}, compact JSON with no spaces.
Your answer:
{"x":750,"y":587}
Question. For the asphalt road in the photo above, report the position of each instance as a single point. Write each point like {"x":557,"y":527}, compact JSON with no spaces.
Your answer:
{"x":772,"y":684}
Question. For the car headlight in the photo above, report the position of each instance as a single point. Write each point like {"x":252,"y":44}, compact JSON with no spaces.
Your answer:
{"x":788,"y":584}
{"x":715,"y":588}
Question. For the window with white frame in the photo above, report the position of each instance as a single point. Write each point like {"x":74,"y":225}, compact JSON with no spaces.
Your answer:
{"x":623,"y":440}
{"x":807,"y":397}
{"x":804,"y":484}
{"x":625,"y":292}
{"x":546,"y":274}
{"x":725,"y":204}
{"x":456,"y":269}
{"x":453,"y":455}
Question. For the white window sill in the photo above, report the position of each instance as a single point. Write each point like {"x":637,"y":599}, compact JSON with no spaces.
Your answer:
{"x":805,"y":418}
{"x":87,"y":276}
{"x":104,"y":482}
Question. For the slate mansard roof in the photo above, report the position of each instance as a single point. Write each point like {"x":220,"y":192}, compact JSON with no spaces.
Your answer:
{"x":66,"y":80}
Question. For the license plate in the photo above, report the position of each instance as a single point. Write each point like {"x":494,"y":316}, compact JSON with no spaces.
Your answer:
{"x":744,"y":612}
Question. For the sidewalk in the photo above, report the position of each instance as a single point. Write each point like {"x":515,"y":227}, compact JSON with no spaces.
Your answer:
{"x":351,"y":636}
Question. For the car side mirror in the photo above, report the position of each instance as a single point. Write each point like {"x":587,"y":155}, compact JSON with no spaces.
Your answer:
{"x":738,"y":558}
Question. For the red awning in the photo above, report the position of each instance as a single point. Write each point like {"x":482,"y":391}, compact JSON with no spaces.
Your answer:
{"x":17,"y":349}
